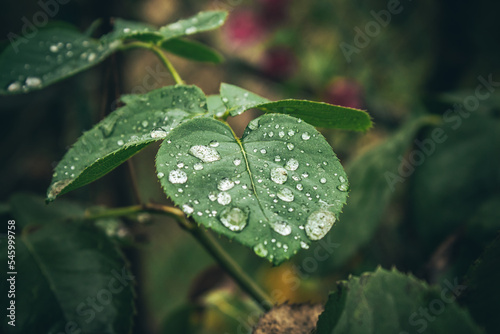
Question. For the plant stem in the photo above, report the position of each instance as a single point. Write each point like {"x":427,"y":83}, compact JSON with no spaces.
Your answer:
{"x":232,"y":268}
{"x":206,"y":239}
{"x":159,"y":52}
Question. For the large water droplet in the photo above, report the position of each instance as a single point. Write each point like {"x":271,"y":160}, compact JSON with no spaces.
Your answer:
{"x":204,"y":153}
{"x":177,"y":176}
{"x":292,"y":164}
{"x":234,"y":219}
{"x":279,"y":175}
{"x":225,"y":184}
{"x":286,"y":194}
{"x":319,"y":223}
{"x":223,"y":198}
{"x":282,"y":227}
{"x":260,"y":250}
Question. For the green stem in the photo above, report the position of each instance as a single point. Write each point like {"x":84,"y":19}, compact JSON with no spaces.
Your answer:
{"x":159,"y":52}
{"x":206,"y":239}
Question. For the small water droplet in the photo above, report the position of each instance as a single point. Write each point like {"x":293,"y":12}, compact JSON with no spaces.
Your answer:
{"x":306,"y":136}
{"x":204,"y":153}
{"x":234,"y":219}
{"x":282,"y":227}
{"x":299,"y":186}
{"x":279,"y":175}
{"x":198,"y":166}
{"x":126,"y":30}
{"x":342,"y":179}
{"x":160,"y":175}
{"x":177,"y":176}
{"x":212,"y":196}
{"x":120,"y":142}
{"x":260,"y":250}
{"x":13,"y":87}
{"x":33,"y":81}
{"x":187,"y":209}
{"x":319,"y":223}
{"x":54,"y":48}
{"x":286,"y":194}
{"x":158,"y":134}
{"x":214,"y":143}
{"x":291,"y":132}
{"x":322,"y":180}
{"x":263,"y":151}
{"x":290,"y":146}
{"x":225,"y":184}
{"x":223,"y":198}
{"x":191,"y":30}
{"x":236,"y":162}
{"x":292,"y":164}
{"x":304,"y":245}
{"x":281,"y":134}
{"x":91,"y":57}
{"x":343,"y":187}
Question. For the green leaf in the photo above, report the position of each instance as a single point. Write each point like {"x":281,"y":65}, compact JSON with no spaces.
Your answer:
{"x":374,"y":176}
{"x":192,"y":50}
{"x":238,"y":100}
{"x":391,"y":302}
{"x":215,"y":105}
{"x":69,"y":277}
{"x":52,"y":54}
{"x":144,"y":119}
{"x":482,"y":296}
{"x":29,"y":209}
{"x":203,"y":21}
{"x":275,"y":190}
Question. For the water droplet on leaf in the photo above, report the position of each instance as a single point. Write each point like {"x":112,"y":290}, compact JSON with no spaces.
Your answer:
{"x":234,"y":219}
{"x":319,"y":223}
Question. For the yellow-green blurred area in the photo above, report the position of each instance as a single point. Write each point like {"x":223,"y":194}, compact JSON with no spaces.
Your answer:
{"x":402,"y":61}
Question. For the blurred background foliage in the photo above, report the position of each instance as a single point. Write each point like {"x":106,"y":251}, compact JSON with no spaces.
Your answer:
{"x":434,"y":223}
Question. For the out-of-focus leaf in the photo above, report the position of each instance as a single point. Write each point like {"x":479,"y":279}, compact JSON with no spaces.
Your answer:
{"x":482,"y":296}
{"x":52,"y":54}
{"x":391,"y":302}
{"x":192,"y":50}
{"x":457,"y":178}
{"x":70,"y":277}
{"x":373,"y":178}
{"x":238,"y":100}
{"x":276,"y":190}
{"x":144,"y":119}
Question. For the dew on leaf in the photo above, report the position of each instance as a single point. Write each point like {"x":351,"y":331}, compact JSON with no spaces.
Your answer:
{"x":177,"y":176}
{"x":236,"y":162}
{"x":299,"y":186}
{"x":225,"y":184}
{"x":279,"y":175}
{"x":204,"y":153}
{"x":292,"y":164}
{"x":198,"y":166}
{"x":212,"y":196}
{"x":286,"y":194}
{"x":322,"y":180}
{"x":158,"y":134}
{"x":214,"y":143}
{"x":120,"y":142}
{"x":13,"y":87}
{"x":343,"y":187}
{"x":282,"y":227}
{"x":234,"y":219}
{"x":306,"y":136}
{"x":260,"y":250}
{"x":187,"y":209}
{"x":290,"y":146}
{"x":223,"y":198}
{"x":160,"y":175}
{"x":304,"y":245}
{"x":319,"y":223}
{"x":33,"y":81}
